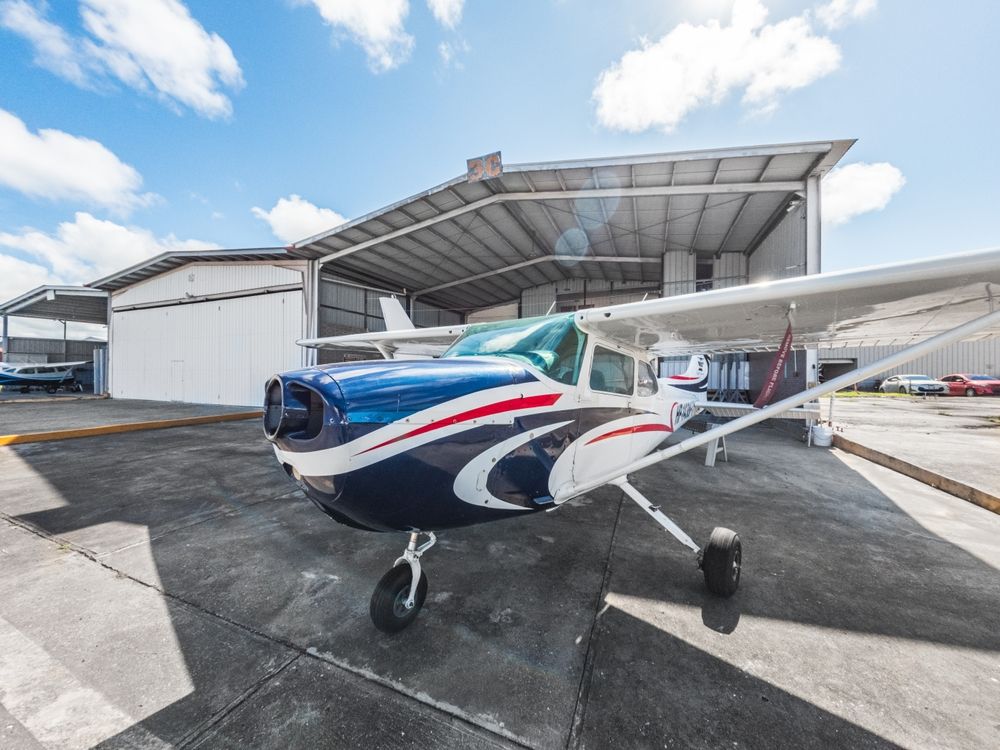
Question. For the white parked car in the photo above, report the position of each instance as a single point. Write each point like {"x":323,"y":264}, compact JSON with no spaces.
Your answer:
{"x":918,"y":385}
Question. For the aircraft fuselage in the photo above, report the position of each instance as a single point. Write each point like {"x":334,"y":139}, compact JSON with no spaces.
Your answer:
{"x":425,"y":445}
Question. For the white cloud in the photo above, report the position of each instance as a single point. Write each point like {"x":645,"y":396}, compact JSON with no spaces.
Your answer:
{"x":56,"y":165}
{"x":693,"y":66}
{"x":447,"y":12}
{"x":858,"y":188}
{"x":83,"y":250}
{"x":54,"y":48}
{"x":294,"y":218}
{"x":150,"y":45}
{"x":53,"y":329}
{"x":451,"y":53}
{"x":838,"y":13}
{"x":18,"y":276}
{"x":376,"y":25}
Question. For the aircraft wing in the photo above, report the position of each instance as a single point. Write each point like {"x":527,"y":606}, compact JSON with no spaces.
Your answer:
{"x":894,"y":304}
{"x":428,"y":342}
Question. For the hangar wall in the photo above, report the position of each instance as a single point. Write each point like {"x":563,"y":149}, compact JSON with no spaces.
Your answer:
{"x":346,"y":308}
{"x":970,"y":357}
{"x":782,"y":253}
{"x":179,"y":347}
{"x":575,"y":294}
{"x":27,"y":350}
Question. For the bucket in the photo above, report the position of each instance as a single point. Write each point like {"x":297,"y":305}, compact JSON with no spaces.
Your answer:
{"x":822,"y":435}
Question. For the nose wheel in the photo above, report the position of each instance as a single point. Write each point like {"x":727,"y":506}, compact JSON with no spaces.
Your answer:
{"x":401,"y":592}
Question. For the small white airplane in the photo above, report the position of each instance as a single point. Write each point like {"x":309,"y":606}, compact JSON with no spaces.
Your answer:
{"x":520,"y":416}
{"x":50,"y":376}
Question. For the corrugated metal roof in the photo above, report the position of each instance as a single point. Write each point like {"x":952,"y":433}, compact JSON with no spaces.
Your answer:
{"x":467,"y":245}
{"x":79,"y":304}
{"x":171,"y":260}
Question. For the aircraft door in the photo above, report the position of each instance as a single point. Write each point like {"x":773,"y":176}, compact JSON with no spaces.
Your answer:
{"x":607,"y":412}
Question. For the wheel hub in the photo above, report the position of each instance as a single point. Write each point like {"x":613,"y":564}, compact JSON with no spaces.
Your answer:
{"x":400,"y":605}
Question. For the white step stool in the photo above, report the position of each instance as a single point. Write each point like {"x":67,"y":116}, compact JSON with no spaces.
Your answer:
{"x":716,"y":447}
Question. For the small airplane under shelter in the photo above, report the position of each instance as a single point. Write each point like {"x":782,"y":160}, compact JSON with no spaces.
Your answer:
{"x":518,"y":417}
{"x":51,"y":376}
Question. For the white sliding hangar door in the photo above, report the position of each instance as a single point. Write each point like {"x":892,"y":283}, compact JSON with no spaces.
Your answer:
{"x":207,"y":333}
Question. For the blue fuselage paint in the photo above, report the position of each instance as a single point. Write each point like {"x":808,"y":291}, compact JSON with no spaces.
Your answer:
{"x":414,"y":488}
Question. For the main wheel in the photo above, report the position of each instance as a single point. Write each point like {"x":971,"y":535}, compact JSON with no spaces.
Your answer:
{"x":970,"y":391}
{"x":388,"y":606}
{"x":721,"y":561}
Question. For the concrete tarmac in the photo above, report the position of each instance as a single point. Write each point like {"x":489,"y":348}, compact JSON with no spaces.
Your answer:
{"x":22,"y":416}
{"x":173,"y":589}
{"x":955,"y":436}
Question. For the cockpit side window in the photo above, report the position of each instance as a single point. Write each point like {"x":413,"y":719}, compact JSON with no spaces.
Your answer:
{"x":569,"y":355}
{"x":612,"y":372}
{"x":647,"y":380}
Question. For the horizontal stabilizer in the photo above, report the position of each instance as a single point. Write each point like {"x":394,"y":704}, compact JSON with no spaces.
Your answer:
{"x":723,"y":409}
{"x":427,"y":342}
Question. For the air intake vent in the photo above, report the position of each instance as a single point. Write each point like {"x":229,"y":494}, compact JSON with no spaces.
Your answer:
{"x":292,"y":410}
{"x":272,"y":408}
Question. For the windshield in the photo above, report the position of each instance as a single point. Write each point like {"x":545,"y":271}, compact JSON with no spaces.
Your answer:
{"x":553,"y":345}
{"x":916,"y":377}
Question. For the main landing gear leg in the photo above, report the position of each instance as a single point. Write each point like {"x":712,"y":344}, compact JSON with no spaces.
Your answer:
{"x":400,"y":593}
{"x":720,"y":560}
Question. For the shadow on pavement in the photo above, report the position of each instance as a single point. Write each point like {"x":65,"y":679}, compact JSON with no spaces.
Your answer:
{"x":832,"y":567}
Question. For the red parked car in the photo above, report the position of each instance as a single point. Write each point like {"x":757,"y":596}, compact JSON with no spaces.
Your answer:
{"x":972,"y":385}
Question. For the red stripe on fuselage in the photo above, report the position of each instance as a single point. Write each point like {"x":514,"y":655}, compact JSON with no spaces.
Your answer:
{"x":513,"y":404}
{"x":684,"y":377}
{"x":631,"y":430}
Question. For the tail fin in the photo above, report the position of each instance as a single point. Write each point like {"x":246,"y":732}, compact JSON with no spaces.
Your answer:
{"x":695,"y":377}
{"x":395,"y":316}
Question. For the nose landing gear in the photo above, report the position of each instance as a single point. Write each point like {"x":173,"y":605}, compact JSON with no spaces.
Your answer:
{"x":400,"y":593}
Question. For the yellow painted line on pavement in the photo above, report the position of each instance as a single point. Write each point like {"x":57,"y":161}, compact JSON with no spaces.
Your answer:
{"x":110,"y":429}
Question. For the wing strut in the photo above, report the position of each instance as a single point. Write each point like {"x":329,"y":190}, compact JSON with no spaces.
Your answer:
{"x":886,"y":363}
{"x":659,"y":516}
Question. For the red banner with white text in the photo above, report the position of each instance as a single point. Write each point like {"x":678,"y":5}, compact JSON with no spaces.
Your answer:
{"x":771,"y":383}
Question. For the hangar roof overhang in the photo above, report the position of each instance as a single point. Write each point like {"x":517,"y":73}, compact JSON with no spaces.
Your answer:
{"x":170,"y":260}
{"x":467,"y":245}
{"x":79,"y":304}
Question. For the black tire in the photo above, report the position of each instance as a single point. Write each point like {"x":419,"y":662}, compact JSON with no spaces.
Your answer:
{"x":721,"y":562}
{"x":387,"y":609}
{"x":50,"y":389}
{"x":970,"y":391}
{"x":905,"y":391}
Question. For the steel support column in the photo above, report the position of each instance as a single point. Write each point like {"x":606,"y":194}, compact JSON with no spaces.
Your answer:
{"x":813,"y":261}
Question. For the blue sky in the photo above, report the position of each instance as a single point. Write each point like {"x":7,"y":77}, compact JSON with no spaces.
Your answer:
{"x":179,"y":119}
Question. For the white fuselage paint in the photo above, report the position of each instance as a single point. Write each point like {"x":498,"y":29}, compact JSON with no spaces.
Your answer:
{"x":649,"y":420}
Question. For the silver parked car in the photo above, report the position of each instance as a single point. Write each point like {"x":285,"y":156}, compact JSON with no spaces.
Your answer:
{"x":915,"y":384}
